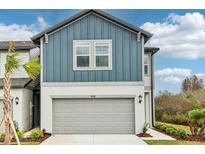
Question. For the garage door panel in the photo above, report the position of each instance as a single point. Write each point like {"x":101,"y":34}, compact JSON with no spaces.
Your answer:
{"x":103,"y":116}
{"x":79,"y":124}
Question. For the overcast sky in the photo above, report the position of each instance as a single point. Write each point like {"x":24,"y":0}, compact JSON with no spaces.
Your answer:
{"x":180,"y":35}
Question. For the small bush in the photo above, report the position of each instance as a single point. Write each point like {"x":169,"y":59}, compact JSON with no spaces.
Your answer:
{"x":163,"y":128}
{"x":36,"y":134}
{"x":168,"y":130}
{"x":16,"y":125}
{"x":182,"y":133}
{"x":20,"y":135}
{"x":171,"y":130}
{"x":2,"y":136}
{"x":145,"y":127}
{"x":158,"y":125}
{"x":174,"y":132}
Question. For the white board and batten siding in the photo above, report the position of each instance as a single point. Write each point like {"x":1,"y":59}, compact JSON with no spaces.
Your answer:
{"x":21,"y":73}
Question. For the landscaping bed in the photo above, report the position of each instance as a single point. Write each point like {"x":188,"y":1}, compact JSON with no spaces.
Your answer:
{"x":41,"y":139}
{"x":144,"y":135}
{"x":36,"y":137}
{"x":178,"y":133}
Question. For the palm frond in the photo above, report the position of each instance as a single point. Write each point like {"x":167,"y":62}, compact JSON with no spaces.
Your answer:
{"x":32,"y":68}
{"x":12,"y":63}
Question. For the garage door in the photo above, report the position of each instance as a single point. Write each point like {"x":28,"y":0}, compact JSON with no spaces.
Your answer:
{"x":93,"y":116}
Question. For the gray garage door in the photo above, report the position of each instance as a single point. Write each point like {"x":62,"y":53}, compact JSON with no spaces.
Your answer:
{"x":93,"y":116}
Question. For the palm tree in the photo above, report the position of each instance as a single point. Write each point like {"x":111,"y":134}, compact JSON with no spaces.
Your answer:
{"x":12,"y":64}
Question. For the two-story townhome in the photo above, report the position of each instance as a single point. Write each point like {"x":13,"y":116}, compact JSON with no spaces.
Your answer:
{"x":22,"y":97}
{"x":96,"y":77}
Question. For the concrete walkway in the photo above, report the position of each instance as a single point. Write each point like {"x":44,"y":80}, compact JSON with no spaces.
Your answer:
{"x":157,"y":136}
{"x":94,"y":139}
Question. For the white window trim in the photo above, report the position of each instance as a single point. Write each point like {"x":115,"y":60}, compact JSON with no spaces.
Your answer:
{"x":148,"y":65}
{"x":92,"y":60}
{"x":109,"y":67}
{"x":75,"y":43}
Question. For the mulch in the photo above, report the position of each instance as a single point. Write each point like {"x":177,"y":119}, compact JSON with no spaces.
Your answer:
{"x":46,"y":135}
{"x":195,"y":138}
{"x":144,"y":135}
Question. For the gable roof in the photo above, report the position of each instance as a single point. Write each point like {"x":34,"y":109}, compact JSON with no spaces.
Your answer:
{"x":19,"y":45}
{"x":98,"y":12}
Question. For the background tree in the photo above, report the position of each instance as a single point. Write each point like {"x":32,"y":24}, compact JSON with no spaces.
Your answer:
{"x":192,"y":83}
{"x":186,"y":85}
{"x":12,"y":64}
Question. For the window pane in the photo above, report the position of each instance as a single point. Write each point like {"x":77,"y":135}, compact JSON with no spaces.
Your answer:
{"x":101,"y":60}
{"x":82,"y":61}
{"x":82,"y":50}
{"x":146,"y":69}
{"x":102,"y":48}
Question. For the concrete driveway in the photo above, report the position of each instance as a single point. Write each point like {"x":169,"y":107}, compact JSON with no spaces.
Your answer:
{"x":94,"y":139}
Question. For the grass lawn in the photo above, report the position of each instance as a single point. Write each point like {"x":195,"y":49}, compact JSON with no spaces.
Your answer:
{"x":186,"y":128}
{"x":172,"y":142}
{"x":25,"y":143}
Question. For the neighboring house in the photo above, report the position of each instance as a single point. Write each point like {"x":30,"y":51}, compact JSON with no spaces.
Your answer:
{"x":22,"y":97}
{"x":94,"y":78}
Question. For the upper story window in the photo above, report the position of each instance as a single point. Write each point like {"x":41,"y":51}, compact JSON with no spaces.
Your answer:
{"x":146,"y":65}
{"x":92,"y":54}
{"x":83,"y":54}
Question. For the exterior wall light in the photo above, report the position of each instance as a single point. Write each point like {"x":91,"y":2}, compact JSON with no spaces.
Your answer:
{"x":17,"y":100}
{"x":140,"y":98}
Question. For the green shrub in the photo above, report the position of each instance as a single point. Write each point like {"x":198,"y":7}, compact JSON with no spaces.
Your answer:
{"x":145,"y":127}
{"x":20,"y":135}
{"x":171,"y":130}
{"x":168,"y":130}
{"x":2,"y":136}
{"x":174,"y":132}
{"x":16,"y":125}
{"x":163,"y":128}
{"x":182,"y":133}
{"x":36,"y":134}
{"x":158,"y":125}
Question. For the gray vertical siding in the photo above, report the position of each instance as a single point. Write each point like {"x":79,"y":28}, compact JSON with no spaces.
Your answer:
{"x":58,"y":52}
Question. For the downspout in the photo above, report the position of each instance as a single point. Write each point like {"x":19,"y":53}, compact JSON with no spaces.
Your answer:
{"x":152,"y":90}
